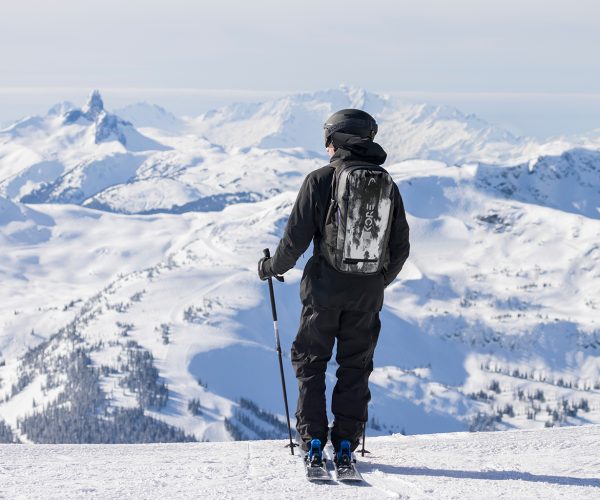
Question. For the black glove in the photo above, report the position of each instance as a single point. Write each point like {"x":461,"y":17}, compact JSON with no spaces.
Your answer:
{"x":265,"y":271}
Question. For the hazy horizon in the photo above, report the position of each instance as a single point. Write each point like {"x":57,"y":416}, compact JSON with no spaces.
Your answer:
{"x":527,"y":65}
{"x":539,"y":115}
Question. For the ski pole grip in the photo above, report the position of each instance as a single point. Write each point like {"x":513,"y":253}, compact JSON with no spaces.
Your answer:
{"x":268,"y":256}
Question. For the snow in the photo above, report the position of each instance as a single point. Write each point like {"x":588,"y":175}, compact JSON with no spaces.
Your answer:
{"x":20,"y":224}
{"x":497,"y":302}
{"x":436,"y":132}
{"x":542,"y":464}
{"x":143,"y":114}
{"x":45,"y":153}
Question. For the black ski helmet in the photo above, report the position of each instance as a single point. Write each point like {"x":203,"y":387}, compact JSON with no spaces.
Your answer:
{"x":350,"y":121}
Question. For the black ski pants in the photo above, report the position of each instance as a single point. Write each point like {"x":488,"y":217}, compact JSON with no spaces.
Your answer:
{"x":356,"y":333}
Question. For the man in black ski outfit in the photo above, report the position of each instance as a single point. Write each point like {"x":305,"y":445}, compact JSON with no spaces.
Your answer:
{"x":336,"y":305}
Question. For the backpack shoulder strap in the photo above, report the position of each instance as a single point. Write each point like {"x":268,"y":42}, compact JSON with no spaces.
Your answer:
{"x":330,"y":199}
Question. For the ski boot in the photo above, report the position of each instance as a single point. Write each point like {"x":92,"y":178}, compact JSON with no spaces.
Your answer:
{"x":315,"y":454}
{"x":343,"y":456}
{"x":315,"y":464}
{"x":345,"y":464}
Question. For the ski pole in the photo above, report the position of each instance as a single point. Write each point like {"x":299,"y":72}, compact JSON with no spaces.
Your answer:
{"x":364,"y":436}
{"x":278,"y":347}
{"x":363,"y":440}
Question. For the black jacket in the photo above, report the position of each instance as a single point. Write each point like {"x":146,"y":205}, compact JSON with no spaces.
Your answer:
{"x":322,"y":286}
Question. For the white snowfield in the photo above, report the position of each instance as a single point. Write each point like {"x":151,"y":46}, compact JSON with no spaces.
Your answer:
{"x":552,"y":463}
{"x":128,"y":253}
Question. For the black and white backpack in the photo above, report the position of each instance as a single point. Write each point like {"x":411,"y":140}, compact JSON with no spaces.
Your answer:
{"x":357,"y":225}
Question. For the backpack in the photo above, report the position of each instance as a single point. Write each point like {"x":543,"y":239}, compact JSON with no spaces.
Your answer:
{"x":356,"y":230}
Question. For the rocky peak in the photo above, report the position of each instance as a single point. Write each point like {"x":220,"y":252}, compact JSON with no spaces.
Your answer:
{"x":94,"y":105}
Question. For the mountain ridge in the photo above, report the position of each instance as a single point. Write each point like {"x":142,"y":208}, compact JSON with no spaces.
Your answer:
{"x":152,"y":297}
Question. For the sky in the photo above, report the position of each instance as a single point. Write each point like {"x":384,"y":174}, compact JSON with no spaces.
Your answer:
{"x":470,"y":51}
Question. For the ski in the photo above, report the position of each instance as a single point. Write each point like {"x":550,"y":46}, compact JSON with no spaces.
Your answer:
{"x":315,"y":463}
{"x":348,"y":473}
{"x":316,"y":473}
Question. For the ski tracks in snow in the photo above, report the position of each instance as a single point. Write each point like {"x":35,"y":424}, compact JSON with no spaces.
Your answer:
{"x":540,"y":464}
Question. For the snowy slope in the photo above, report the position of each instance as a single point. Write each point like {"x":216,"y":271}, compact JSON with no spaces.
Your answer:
{"x":98,"y":159}
{"x":59,"y":159}
{"x":20,"y":224}
{"x":462,"y":340}
{"x":409,"y":130}
{"x":70,"y":154}
{"x":153,"y":300}
{"x":143,"y":114}
{"x":546,"y":464}
{"x":568,"y":182}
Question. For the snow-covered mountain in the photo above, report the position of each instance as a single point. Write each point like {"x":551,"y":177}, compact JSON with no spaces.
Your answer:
{"x":541,"y":464}
{"x":568,"y":182}
{"x":409,"y":130}
{"x":70,"y":154}
{"x":20,"y":224}
{"x":94,"y":158}
{"x":143,"y":114}
{"x":131,"y":310}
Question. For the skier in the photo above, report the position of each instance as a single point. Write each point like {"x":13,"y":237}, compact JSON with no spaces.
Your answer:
{"x":341,"y":289}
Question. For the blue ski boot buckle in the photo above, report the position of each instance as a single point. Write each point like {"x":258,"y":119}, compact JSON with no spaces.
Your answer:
{"x":315,"y":458}
{"x":344,"y":455}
